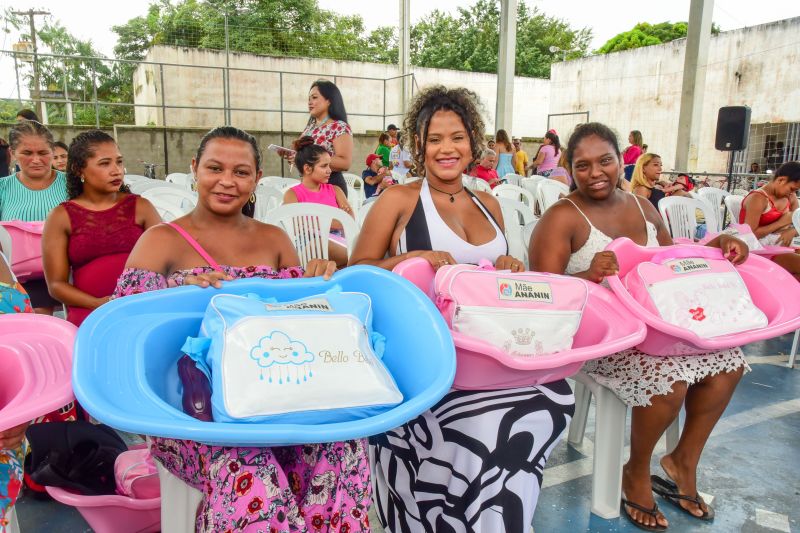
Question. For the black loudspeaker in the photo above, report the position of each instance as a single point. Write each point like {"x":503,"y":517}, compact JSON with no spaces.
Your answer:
{"x":733,"y":128}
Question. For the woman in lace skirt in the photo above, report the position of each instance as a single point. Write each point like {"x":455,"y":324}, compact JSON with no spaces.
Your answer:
{"x":570,"y":238}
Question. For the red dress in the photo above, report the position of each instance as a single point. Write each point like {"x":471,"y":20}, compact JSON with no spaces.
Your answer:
{"x":99,"y":245}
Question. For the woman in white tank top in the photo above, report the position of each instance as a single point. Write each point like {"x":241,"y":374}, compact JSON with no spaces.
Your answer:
{"x":474,"y":462}
{"x":571,"y":238}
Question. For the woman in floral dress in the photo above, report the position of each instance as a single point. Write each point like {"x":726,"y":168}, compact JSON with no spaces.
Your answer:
{"x":304,"y":488}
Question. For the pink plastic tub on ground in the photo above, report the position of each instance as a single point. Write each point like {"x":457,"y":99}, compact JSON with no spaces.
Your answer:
{"x":26,"y":248}
{"x":113,"y":513}
{"x":605,"y":328}
{"x":772,"y":289}
{"x":35,"y":365}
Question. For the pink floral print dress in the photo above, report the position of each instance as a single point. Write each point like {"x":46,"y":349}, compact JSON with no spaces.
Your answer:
{"x":307,"y":488}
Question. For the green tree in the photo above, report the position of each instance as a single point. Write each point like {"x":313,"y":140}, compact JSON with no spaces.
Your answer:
{"x":469,"y":40}
{"x":265,"y":27}
{"x":74,"y":75}
{"x":646,"y":34}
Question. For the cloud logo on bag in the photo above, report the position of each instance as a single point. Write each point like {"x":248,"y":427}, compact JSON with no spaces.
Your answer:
{"x":288,"y":357}
{"x":278,"y":348}
{"x":505,"y":289}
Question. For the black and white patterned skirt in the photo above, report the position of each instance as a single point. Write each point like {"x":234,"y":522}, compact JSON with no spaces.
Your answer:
{"x":473,"y":463}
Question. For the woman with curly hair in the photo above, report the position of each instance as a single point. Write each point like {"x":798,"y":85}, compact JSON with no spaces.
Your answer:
{"x":93,"y":232}
{"x":474,"y":462}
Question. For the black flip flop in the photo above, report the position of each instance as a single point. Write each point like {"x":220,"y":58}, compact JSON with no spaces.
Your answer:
{"x":667,"y":489}
{"x":652,"y":512}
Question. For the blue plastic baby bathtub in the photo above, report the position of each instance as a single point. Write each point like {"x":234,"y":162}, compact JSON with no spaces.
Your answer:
{"x":125,"y":371}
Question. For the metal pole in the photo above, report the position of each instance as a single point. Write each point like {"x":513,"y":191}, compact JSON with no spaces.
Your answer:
{"x":280,"y":83}
{"x":384,"y":105}
{"x":227,"y":73}
{"x":164,"y":121}
{"x":94,"y":95}
{"x":68,"y":103}
{"x":16,"y":72}
{"x":36,"y":80}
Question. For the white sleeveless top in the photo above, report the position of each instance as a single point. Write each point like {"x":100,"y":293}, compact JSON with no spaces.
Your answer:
{"x":445,"y":239}
{"x":580,"y":260}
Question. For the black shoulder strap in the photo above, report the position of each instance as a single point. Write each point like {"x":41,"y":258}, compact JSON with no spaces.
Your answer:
{"x":489,"y":213}
{"x":417,"y":235}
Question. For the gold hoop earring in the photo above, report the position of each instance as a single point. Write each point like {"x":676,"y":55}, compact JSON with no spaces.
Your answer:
{"x":253,"y":198}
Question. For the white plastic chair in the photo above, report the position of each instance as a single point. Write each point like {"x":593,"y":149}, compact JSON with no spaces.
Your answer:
{"x":515,"y":192}
{"x":475,"y":184}
{"x":278,"y":182}
{"x":609,"y":441}
{"x":679,"y":214}
{"x":267,"y":199}
{"x":734,"y":204}
{"x":355,"y":190}
{"x":133,"y":178}
{"x":168,"y":211}
{"x":139,"y":187}
{"x":399,"y":178}
{"x":513,"y":179}
{"x":796,"y":341}
{"x":6,"y":244}
{"x":179,"y":503}
{"x":548,"y":192}
{"x":361,"y":216}
{"x":13,"y":525}
{"x":178,"y":196}
{"x":516,"y":216}
{"x":714,"y":197}
{"x":531,"y":184}
{"x":181,"y":179}
{"x":527,"y":233}
{"x":308,"y":226}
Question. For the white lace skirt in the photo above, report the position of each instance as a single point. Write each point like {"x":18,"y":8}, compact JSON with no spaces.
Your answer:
{"x":636,"y":377}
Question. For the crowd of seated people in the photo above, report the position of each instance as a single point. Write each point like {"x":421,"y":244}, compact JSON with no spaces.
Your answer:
{"x":101,"y":242}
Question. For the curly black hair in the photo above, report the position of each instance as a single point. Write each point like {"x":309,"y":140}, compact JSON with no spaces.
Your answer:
{"x":461,"y":101}
{"x":80,"y":150}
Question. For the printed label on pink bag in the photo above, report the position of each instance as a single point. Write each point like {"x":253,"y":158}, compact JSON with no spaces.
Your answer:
{"x":524,"y":291}
{"x":684,"y":266}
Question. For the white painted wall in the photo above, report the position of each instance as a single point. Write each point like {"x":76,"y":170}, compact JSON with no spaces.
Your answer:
{"x":641,"y":88}
{"x":260,"y":87}
{"x":637,"y":89}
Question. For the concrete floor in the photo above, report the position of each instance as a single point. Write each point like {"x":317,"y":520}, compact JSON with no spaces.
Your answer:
{"x":750,"y":467}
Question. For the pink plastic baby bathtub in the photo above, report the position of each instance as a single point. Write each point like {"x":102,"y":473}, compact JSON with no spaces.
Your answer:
{"x":772,"y":289}
{"x":113,"y":513}
{"x":605,"y":328}
{"x":36,"y":366}
{"x":26,"y":248}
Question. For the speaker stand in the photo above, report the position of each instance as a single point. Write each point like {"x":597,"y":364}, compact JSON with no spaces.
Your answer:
{"x":731,"y":157}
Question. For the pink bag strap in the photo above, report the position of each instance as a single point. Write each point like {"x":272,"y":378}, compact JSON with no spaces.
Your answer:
{"x":705,"y":252}
{"x":196,"y":245}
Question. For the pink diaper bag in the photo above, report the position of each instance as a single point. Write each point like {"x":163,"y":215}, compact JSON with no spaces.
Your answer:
{"x":26,"y":249}
{"x":136,"y":475}
{"x":525,"y":314}
{"x":696,"y":289}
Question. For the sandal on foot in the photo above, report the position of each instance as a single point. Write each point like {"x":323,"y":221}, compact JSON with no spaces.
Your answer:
{"x":667,"y":489}
{"x":652,"y":512}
